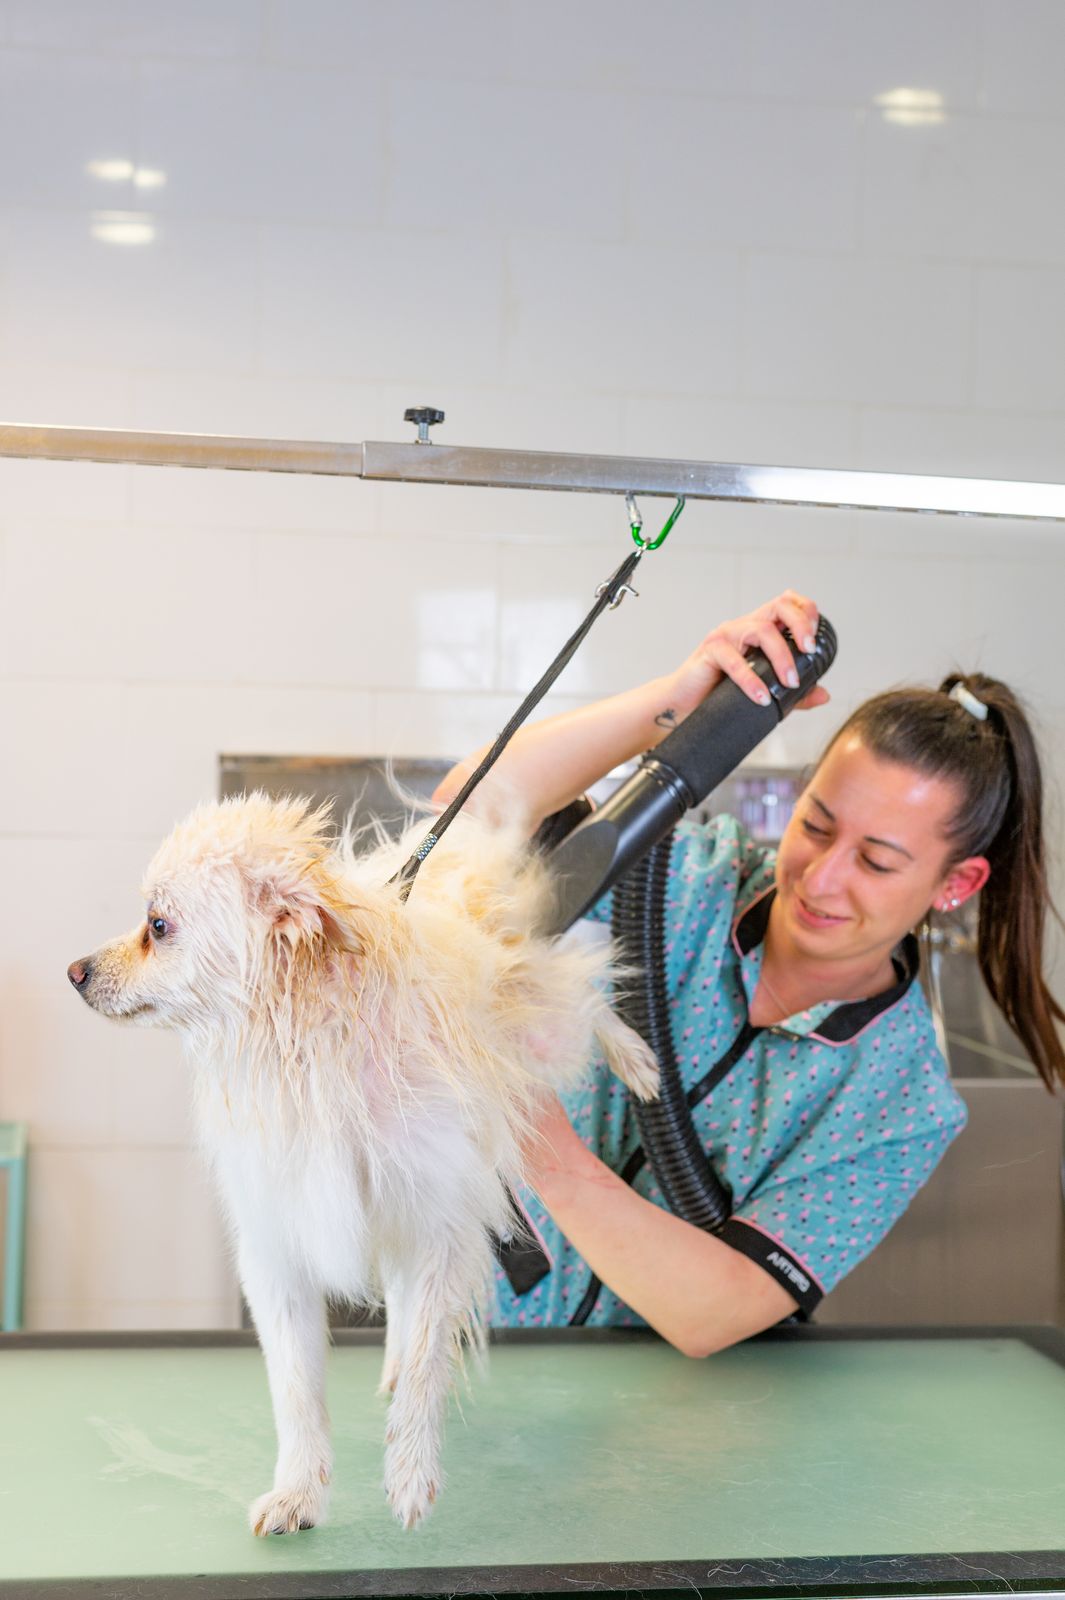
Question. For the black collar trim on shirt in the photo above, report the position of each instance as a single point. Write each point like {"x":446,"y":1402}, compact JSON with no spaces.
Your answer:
{"x":847,"y":1020}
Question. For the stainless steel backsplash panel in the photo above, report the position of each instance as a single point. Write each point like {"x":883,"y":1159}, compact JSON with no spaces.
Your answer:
{"x":356,"y":785}
{"x":984,"y":1240}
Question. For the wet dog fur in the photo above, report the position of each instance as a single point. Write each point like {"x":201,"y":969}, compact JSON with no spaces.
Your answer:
{"x":365,"y":1073}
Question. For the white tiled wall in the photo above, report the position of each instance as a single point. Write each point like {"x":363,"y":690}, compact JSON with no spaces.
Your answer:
{"x":675,"y":229}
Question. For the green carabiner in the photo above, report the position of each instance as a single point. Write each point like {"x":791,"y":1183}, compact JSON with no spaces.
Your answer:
{"x":636,"y":523}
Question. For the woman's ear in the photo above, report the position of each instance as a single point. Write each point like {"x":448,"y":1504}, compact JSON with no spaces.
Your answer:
{"x":964,"y":879}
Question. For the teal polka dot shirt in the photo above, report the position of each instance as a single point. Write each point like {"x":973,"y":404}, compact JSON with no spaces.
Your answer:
{"x":824,"y":1128}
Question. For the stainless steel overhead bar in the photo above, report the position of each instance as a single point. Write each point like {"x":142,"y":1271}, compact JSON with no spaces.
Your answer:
{"x":529,"y":469}
{"x":118,"y":446}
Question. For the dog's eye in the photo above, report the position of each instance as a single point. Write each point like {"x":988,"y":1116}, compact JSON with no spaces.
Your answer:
{"x":158,"y":927}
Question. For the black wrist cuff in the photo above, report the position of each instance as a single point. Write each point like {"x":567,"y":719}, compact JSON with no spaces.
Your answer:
{"x":773,"y":1258}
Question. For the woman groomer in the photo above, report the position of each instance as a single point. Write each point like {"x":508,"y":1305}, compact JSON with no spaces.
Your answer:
{"x":840,"y":1106}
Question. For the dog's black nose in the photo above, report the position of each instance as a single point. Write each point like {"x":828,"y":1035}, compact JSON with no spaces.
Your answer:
{"x":79,"y":972}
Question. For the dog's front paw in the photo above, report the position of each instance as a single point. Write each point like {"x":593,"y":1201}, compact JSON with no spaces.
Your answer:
{"x":289,"y":1510}
{"x":629,"y":1057}
{"x":644,"y":1078}
{"x":411,"y":1491}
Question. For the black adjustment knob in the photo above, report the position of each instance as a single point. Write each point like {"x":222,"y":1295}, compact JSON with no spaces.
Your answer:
{"x":426,"y":417}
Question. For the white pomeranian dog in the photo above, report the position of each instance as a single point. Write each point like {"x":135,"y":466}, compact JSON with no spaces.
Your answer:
{"x":366,"y":1070}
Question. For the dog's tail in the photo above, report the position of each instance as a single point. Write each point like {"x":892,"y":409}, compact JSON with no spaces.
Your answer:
{"x":628,"y":1056}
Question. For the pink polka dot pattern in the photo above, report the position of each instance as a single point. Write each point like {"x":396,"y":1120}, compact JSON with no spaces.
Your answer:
{"x":823,"y":1141}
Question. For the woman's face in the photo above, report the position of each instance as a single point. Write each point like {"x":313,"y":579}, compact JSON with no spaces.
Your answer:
{"x":865,"y":855}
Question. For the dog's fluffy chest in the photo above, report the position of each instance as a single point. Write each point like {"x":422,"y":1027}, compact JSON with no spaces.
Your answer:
{"x":305,"y":1207}
{"x":340,"y":1201}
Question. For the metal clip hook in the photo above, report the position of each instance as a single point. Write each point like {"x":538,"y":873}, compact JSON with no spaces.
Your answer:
{"x":626,"y":588}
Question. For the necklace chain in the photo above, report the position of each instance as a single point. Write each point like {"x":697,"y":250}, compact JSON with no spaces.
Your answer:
{"x":773,"y":995}
{"x":772,"y":992}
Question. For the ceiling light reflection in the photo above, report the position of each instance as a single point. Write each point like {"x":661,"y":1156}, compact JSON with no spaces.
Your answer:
{"x":122,"y":227}
{"x":910,"y":108}
{"x":112,"y":170}
{"x":117,"y":169}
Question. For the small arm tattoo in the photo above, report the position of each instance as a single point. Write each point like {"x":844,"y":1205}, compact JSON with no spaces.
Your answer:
{"x":666,"y":719}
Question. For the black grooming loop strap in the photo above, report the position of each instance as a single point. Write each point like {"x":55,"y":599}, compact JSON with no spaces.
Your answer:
{"x":610,"y":593}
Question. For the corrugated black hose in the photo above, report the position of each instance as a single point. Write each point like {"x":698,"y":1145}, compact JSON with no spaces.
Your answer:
{"x":626,"y":845}
{"x":690,"y":1186}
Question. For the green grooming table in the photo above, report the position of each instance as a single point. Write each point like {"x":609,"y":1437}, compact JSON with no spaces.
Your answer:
{"x":810,"y":1462}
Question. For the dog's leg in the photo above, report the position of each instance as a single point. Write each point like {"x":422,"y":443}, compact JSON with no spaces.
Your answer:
{"x":440,"y":1291}
{"x":395,"y":1333}
{"x":289,"y":1317}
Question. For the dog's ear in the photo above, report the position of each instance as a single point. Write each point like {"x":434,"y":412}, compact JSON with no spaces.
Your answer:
{"x":301,"y":901}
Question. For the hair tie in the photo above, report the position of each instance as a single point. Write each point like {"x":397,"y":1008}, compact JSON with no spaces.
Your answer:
{"x":966,"y":698}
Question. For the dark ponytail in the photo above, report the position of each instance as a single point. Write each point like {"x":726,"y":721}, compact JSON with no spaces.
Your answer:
{"x":994,"y":764}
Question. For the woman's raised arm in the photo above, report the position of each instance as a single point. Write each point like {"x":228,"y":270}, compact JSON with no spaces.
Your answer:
{"x":549,"y":763}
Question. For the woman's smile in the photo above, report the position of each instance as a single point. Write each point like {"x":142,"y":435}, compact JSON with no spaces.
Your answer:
{"x":812,"y":917}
